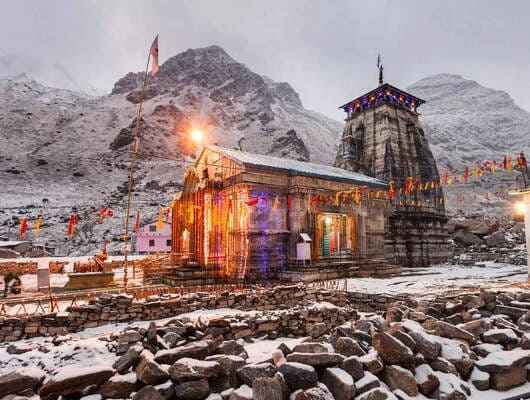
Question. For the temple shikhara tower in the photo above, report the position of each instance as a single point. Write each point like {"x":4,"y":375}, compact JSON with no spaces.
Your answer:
{"x":383,"y":138}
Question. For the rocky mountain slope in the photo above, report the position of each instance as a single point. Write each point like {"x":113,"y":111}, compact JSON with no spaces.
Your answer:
{"x":71,"y":149}
{"x":468,"y":122}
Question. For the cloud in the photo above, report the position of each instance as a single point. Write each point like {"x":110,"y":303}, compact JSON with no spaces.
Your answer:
{"x":326,"y":50}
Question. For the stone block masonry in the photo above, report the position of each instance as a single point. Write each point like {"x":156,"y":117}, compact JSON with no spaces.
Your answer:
{"x":108,"y":309}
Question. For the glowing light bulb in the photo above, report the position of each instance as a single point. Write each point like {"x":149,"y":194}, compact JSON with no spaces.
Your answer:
{"x":520,"y":208}
{"x":197,"y":135}
{"x":327,"y":220}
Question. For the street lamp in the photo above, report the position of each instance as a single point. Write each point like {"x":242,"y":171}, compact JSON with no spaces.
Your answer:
{"x":523,"y":207}
{"x":197,"y":136}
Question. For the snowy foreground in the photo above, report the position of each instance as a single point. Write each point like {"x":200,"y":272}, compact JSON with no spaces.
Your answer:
{"x":86,"y":350}
{"x":453,"y":348}
{"x":442,"y":279}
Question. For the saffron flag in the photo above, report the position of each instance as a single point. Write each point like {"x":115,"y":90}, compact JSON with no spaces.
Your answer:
{"x":153,"y":52}
{"x":71,"y":225}
{"x":23,"y":228}
{"x":37,"y":225}
{"x":391,"y":190}
{"x":160,"y":222}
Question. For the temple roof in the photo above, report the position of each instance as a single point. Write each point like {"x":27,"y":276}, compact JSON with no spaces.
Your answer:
{"x":297,"y":168}
{"x":384,"y":92}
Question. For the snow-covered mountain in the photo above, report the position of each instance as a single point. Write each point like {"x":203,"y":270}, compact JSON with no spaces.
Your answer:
{"x":468,"y":122}
{"x":71,"y":148}
{"x":54,"y":75}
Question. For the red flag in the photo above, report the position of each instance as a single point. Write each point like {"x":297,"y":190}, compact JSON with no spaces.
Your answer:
{"x":153,"y":52}
{"x":252,"y":201}
{"x":23,"y":228}
{"x":71,"y":225}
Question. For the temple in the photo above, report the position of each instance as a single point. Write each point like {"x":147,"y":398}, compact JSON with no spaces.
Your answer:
{"x":383,"y":138}
{"x":254,"y":217}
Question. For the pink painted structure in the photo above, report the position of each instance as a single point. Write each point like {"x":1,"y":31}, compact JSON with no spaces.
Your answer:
{"x":149,"y":240}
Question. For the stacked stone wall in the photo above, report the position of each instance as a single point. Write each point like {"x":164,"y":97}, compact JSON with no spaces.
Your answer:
{"x":109,"y":309}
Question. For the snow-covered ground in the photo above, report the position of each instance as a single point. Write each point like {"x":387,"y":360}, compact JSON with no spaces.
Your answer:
{"x":86,"y":349}
{"x":442,"y":279}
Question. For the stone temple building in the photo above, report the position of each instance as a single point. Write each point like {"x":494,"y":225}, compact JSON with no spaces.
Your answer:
{"x":383,"y":138}
{"x":250,"y":216}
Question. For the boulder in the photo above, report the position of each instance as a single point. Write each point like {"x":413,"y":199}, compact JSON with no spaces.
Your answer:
{"x":397,"y":377}
{"x":512,"y":312}
{"x":147,"y":393}
{"x":467,"y":238}
{"x":496,"y":239}
{"x":192,"y":390}
{"x":310,"y":347}
{"x":339,"y":383}
{"x":428,"y":346}
{"x":274,"y":388}
{"x":348,"y":347}
{"x":501,"y":361}
{"x":189,"y":369}
{"x":319,"y":392}
{"x":244,"y":392}
{"x":298,"y":376}
{"x":128,"y":360}
{"x":377,"y":394}
{"x":232,"y":348}
{"x":392,"y":350}
{"x":248,"y":373}
{"x":371,"y":362}
{"x":476,"y":327}
{"x":426,"y":379}
{"x":500,"y":336}
{"x":23,"y":380}
{"x":480,"y":379}
{"x":149,"y":371}
{"x":70,"y":381}
{"x":119,"y":386}
{"x":450,"y":331}
{"x":166,"y":390}
{"x":451,"y":387}
{"x":509,"y":379}
{"x":405,"y":338}
{"x":317,"y":330}
{"x":18,"y":348}
{"x":317,"y":360}
{"x":486,"y":348}
{"x":368,"y":382}
{"x":198,"y":350}
{"x":229,"y":365}
{"x":278,"y":358}
{"x":443,"y":365}
{"x":353,"y":366}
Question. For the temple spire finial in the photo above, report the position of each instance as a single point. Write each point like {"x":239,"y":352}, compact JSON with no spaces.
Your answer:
{"x":380,"y":68}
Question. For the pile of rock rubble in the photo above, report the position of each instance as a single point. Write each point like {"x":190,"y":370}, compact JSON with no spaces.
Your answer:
{"x":447,"y":348}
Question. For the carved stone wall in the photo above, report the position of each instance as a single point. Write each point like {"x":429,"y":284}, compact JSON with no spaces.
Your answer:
{"x":388,"y":142}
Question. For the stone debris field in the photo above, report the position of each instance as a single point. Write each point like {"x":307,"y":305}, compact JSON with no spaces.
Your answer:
{"x":290,"y":342}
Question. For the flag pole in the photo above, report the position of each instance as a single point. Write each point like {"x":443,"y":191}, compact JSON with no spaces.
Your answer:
{"x":133,"y":157}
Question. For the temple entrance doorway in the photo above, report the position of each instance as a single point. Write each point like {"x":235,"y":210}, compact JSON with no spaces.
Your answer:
{"x":336,"y":235}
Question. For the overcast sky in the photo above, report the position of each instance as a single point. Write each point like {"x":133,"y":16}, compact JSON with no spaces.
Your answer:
{"x":326,"y":50}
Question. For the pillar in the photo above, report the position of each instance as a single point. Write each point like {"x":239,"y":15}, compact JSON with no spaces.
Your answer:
{"x":527,"y":230}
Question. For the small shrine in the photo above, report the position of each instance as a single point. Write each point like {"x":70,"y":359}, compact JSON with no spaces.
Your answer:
{"x":249,"y":216}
